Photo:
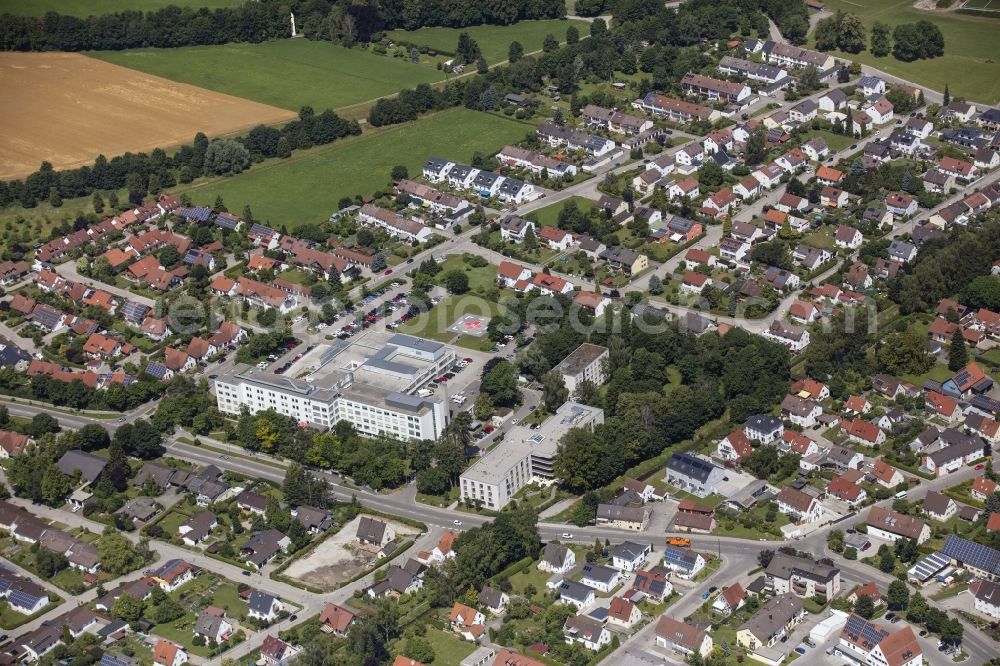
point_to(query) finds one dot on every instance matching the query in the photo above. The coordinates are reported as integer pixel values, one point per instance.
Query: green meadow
(288, 73)
(971, 63)
(308, 186)
(493, 40)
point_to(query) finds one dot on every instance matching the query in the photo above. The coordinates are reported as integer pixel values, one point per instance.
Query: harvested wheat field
(67, 109)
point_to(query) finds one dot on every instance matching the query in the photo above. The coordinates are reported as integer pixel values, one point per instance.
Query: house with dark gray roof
(557, 558)
(374, 532)
(493, 599)
(313, 519)
(89, 465)
(764, 428)
(578, 594)
(197, 527)
(600, 577)
(263, 546)
(625, 517)
(629, 555)
(264, 606)
(692, 474)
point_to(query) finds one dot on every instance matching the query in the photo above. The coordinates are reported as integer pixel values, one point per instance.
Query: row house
(557, 135)
(535, 162)
(715, 89)
(614, 120)
(676, 110)
(394, 224)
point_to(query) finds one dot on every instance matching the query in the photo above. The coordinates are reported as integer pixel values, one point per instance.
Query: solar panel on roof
(974, 554)
(22, 599)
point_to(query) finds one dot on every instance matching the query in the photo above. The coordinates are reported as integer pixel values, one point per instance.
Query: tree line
(150, 173)
(342, 21)
(907, 41)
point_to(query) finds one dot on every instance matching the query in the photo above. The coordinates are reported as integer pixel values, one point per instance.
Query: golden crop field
(67, 109)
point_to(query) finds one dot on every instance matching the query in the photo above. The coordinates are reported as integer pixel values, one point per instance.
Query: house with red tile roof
(856, 404)
(982, 488)
(555, 238)
(117, 258)
(177, 360)
(104, 347)
(869, 589)
(22, 304)
(942, 406)
(166, 653)
(734, 446)
(223, 286)
(957, 168)
(509, 273)
(813, 389)
(730, 599)
(550, 284)
(12, 443)
(593, 302)
(623, 613)
(863, 432)
(796, 442)
(887, 475)
(828, 175)
(803, 312)
(846, 491)
(336, 619)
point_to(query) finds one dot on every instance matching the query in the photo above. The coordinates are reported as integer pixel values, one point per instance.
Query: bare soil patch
(338, 558)
(66, 108)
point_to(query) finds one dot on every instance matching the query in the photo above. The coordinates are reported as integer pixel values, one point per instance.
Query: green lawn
(836, 142)
(296, 275)
(84, 8)
(11, 619)
(549, 215)
(434, 324)
(938, 372)
(289, 73)
(970, 65)
(494, 40)
(307, 187)
(448, 648)
(821, 238)
(172, 521)
(478, 277)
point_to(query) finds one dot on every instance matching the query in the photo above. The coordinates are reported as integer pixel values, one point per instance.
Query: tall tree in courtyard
(958, 354)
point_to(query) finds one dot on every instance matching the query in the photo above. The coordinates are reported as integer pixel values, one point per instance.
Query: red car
(489, 429)
(468, 359)
(980, 466)
(388, 271)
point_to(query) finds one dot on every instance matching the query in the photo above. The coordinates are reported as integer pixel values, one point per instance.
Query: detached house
(891, 526)
(848, 237)
(798, 504)
(734, 447)
(800, 411)
(684, 639)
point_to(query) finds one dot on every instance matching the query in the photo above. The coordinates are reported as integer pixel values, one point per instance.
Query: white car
(457, 523)
(567, 535)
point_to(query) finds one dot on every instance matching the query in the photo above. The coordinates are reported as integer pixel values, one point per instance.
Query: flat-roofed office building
(525, 455)
(371, 388)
